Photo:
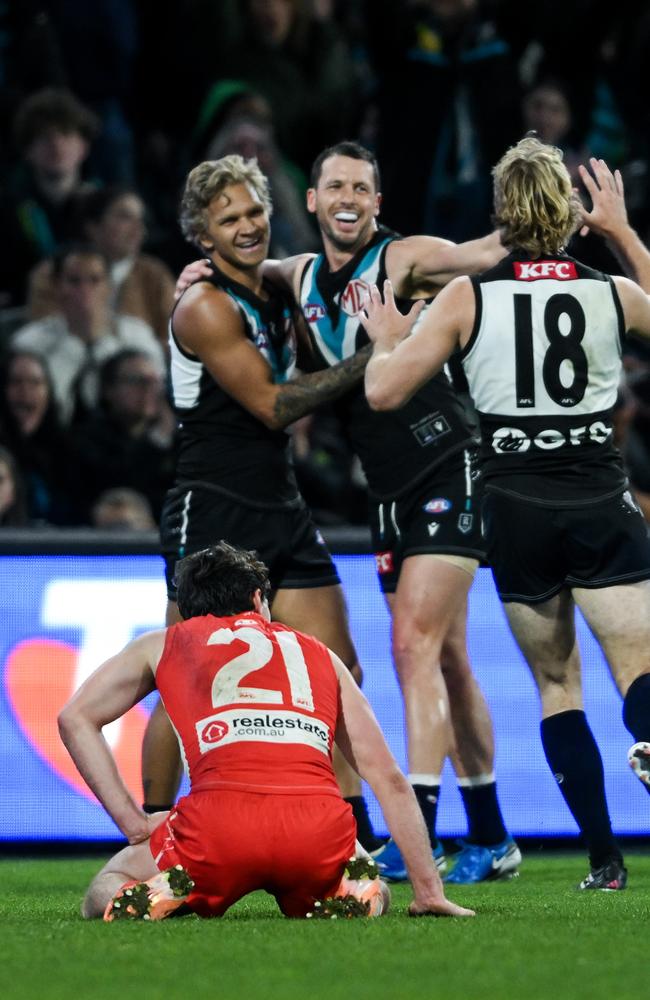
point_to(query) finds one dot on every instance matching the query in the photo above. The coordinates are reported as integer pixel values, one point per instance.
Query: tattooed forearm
(304, 393)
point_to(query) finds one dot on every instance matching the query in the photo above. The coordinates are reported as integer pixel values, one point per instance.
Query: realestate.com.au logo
(41, 672)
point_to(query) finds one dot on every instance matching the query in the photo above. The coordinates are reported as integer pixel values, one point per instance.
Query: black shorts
(536, 551)
(286, 539)
(441, 515)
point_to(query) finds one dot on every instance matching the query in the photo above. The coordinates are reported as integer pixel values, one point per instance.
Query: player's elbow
(382, 398)
(67, 722)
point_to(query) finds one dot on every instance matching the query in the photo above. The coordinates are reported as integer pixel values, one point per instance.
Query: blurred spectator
(122, 510)
(448, 107)
(235, 119)
(547, 111)
(85, 331)
(129, 440)
(301, 63)
(329, 475)
(53, 132)
(13, 506)
(30, 428)
(113, 220)
(98, 42)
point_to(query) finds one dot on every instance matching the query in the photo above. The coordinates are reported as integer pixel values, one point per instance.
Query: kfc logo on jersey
(353, 297)
(533, 270)
(313, 311)
(384, 562)
(213, 732)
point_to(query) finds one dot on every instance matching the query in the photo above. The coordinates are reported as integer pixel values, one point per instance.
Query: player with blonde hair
(540, 338)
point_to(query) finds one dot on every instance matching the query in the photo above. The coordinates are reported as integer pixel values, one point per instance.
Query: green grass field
(534, 937)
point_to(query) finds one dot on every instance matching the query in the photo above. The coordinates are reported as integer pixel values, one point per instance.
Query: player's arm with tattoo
(208, 324)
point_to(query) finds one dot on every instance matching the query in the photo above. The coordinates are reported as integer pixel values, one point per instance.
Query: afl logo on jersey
(214, 731)
(313, 311)
(353, 297)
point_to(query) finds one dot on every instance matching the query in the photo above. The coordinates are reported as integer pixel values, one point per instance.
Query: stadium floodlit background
(64, 614)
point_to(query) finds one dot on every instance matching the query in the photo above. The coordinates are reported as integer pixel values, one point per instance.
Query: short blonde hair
(208, 180)
(534, 203)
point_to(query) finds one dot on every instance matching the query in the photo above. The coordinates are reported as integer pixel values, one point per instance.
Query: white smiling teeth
(346, 216)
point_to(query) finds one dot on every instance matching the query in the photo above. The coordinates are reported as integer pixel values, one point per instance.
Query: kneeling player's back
(254, 704)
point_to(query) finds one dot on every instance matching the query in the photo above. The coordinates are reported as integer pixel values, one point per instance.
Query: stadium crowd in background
(282, 79)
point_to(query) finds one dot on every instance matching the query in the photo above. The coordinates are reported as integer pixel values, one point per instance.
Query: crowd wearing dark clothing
(96, 142)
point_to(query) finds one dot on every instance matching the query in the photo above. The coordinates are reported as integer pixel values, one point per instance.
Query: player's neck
(338, 256)
(249, 277)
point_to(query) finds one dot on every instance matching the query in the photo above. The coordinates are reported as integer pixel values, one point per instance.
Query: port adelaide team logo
(354, 295)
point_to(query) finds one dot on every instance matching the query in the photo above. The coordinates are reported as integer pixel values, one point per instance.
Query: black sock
(574, 758)
(428, 796)
(154, 809)
(365, 833)
(484, 819)
(636, 709)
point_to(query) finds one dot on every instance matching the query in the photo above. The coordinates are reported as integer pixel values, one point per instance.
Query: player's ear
(311, 200)
(378, 201)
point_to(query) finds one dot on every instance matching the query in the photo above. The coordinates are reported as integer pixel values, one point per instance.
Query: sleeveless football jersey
(253, 703)
(396, 449)
(543, 364)
(220, 442)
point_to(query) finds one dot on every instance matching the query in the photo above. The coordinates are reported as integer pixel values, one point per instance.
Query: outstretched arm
(419, 266)
(608, 218)
(208, 324)
(360, 739)
(398, 367)
(108, 694)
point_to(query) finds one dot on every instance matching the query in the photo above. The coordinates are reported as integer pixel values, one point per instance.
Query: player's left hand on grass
(382, 320)
(441, 908)
(608, 212)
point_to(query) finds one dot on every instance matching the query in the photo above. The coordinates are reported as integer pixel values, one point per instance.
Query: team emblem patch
(432, 527)
(437, 506)
(465, 522)
(353, 297)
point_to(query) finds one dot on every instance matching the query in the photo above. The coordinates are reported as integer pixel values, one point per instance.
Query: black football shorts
(536, 551)
(196, 515)
(441, 515)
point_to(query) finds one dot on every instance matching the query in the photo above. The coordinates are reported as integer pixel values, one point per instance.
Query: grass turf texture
(534, 938)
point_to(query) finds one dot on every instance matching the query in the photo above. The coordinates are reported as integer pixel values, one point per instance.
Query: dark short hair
(111, 370)
(76, 249)
(354, 150)
(220, 580)
(95, 203)
(53, 107)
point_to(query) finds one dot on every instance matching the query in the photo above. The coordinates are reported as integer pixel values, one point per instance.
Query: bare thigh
(619, 617)
(319, 611)
(546, 635)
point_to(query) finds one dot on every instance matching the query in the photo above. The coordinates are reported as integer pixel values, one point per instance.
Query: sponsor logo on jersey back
(437, 506)
(533, 270)
(255, 725)
(384, 561)
(353, 296)
(213, 732)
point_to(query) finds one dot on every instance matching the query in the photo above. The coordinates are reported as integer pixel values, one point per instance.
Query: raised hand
(382, 320)
(608, 213)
